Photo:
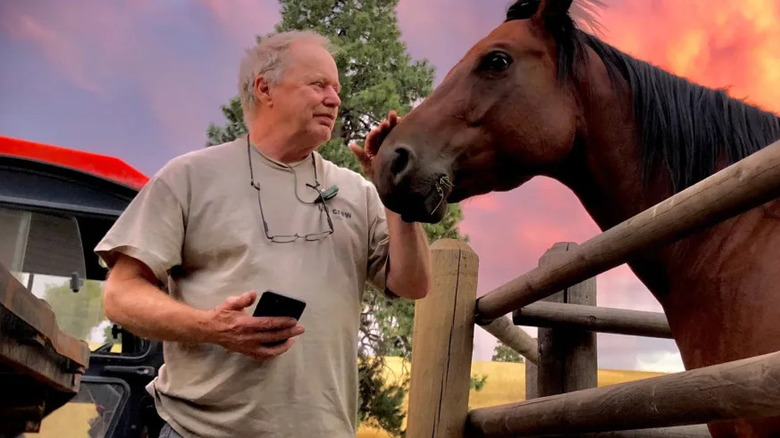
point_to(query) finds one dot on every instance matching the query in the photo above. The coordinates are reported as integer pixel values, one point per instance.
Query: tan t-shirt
(197, 225)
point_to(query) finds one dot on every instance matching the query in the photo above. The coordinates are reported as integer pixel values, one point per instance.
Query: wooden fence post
(443, 344)
(531, 380)
(567, 357)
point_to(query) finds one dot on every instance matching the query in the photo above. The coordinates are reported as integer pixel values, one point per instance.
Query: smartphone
(276, 304)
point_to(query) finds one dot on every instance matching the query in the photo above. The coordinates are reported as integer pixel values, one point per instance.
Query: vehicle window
(45, 253)
(91, 413)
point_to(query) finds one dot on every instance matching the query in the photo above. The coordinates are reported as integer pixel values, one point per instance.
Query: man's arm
(408, 270)
(132, 300)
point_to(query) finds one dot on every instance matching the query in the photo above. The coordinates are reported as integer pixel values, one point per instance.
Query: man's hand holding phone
(259, 337)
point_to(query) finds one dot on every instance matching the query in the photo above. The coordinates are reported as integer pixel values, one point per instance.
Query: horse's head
(502, 115)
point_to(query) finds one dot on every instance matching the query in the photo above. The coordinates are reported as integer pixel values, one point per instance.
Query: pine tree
(376, 75)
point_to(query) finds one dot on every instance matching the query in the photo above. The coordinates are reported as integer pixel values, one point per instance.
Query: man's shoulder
(199, 160)
(355, 186)
(222, 151)
(343, 173)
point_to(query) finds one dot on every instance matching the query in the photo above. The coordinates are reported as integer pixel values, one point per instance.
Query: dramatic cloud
(142, 80)
(442, 30)
(161, 54)
(732, 45)
(244, 19)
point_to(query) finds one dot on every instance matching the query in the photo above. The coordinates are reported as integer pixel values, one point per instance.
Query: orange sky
(142, 80)
(728, 43)
(731, 43)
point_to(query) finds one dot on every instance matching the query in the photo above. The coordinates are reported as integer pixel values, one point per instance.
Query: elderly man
(215, 228)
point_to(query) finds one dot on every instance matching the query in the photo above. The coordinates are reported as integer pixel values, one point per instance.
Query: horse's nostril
(401, 161)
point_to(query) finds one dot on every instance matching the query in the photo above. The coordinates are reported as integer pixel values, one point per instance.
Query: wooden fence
(559, 297)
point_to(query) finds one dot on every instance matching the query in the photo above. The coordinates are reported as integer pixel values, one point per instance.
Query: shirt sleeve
(151, 229)
(378, 243)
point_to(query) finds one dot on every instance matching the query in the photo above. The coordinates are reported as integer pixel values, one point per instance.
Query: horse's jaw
(421, 196)
(424, 198)
(482, 180)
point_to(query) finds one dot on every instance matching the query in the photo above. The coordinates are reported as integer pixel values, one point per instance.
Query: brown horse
(539, 96)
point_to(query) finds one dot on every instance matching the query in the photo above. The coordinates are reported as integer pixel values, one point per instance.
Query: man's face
(306, 101)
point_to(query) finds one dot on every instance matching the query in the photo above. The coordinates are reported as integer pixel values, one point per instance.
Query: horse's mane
(682, 125)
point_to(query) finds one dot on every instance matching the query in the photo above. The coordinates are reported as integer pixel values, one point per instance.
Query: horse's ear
(525, 9)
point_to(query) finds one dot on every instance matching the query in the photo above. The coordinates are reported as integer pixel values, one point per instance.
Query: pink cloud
(98, 45)
(244, 19)
(55, 44)
(483, 203)
(733, 45)
(442, 30)
(728, 45)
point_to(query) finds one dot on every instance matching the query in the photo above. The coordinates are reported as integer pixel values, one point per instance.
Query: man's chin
(320, 135)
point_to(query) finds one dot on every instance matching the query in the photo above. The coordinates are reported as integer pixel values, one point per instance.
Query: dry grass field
(505, 384)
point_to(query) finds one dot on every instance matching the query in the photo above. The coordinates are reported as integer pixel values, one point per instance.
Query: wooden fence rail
(696, 431)
(653, 407)
(747, 388)
(592, 318)
(746, 184)
(515, 338)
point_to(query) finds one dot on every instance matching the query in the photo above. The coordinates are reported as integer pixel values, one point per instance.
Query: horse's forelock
(584, 13)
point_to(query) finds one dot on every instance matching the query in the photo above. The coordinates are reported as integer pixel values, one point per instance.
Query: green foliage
(375, 72)
(478, 381)
(234, 128)
(380, 401)
(502, 353)
(376, 75)
(77, 313)
(109, 337)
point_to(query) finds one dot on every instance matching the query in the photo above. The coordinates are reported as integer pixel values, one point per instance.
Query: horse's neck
(716, 286)
(605, 170)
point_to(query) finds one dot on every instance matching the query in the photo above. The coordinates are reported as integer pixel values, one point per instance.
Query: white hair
(268, 57)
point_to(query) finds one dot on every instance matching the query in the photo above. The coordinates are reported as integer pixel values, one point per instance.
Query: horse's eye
(496, 61)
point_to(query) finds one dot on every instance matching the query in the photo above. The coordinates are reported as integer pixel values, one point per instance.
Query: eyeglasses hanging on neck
(320, 201)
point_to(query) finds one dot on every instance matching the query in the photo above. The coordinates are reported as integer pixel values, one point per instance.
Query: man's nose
(332, 98)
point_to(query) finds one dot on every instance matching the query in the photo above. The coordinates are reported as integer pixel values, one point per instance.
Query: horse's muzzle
(415, 192)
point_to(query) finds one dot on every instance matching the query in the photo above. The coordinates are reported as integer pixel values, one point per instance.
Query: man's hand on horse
(374, 140)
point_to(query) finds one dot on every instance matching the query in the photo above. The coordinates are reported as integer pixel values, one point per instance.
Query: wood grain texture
(568, 359)
(745, 388)
(531, 381)
(694, 431)
(443, 344)
(515, 338)
(37, 315)
(597, 319)
(746, 184)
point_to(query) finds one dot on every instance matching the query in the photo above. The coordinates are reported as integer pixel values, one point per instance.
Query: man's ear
(262, 90)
